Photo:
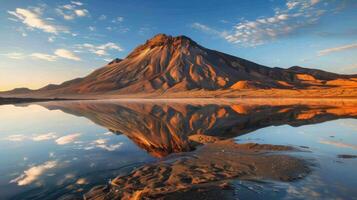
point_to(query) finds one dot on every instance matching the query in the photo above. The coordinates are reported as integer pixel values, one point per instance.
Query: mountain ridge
(167, 64)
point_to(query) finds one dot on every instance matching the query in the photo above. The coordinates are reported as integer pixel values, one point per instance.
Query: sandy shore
(205, 173)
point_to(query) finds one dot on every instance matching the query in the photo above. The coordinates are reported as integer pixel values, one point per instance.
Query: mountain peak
(161, 40)
(170, 64)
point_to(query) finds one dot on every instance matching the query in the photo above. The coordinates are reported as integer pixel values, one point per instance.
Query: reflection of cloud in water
(67, 177)
(15, 138)
(46, 136)
(338, 144)
(313, 187)
(102, 143)
(108, 133)
(33, 173)
(37, 138)
(67, 139)
(51, 154)
(82, 181)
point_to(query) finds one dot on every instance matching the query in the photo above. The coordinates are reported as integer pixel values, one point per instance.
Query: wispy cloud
(59, 53)
(336, 49)
(91, 28)
(72, 10)
(14, 55)
(67, 139)
(286, 20)
(118, 20)
(78, 3)
(33, 20)
(64, 53)
(206, 29)
(100, 50)
(296, 15)
(102, 17)
(81, 12)
(15, 138)
(33, 174)
(43, 137)
(42, 56)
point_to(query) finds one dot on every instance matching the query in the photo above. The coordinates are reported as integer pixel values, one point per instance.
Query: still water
(58, 149)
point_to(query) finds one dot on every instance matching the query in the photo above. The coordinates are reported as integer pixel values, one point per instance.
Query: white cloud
(91, 28)
(118, 20)
(77, 3)
(43, 137)
(33, 173)
(59, 53)
(66, 54)
(100, 50)
(204, 28)
(15, 138)
(110, 45)
(287, 20)
(81, 12)
(72, 10)
(336, 49)
(292, 4)
(33, 20)
(51, 39)
(42, 56)
(14, 55)
(67, 139)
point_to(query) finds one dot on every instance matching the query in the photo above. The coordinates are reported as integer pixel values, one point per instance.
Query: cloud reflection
(338, 144)
(42, 137)
(67, 139)
(102, 143)
(33, 173)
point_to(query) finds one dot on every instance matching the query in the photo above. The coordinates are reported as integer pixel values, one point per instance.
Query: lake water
(58, 149)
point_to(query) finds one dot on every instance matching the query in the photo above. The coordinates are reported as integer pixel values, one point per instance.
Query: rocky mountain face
(165, 128)
(167, 64)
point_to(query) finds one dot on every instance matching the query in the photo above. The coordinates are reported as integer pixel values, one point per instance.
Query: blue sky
(45, 42)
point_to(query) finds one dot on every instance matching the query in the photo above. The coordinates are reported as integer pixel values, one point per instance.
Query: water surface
(59, 149)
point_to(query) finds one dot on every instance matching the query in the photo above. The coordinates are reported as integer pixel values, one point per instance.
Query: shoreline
(195, 100)
(15, 100)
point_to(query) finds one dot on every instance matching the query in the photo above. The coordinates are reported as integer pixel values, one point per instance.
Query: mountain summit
(166, 64)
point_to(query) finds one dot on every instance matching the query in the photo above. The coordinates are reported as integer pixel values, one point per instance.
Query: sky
(44, 42)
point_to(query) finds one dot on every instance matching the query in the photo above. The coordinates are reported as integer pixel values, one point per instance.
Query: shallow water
(56, 149)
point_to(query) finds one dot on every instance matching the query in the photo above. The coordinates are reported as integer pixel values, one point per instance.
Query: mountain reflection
(164, 128)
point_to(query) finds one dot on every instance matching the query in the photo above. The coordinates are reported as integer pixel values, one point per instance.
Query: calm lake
(54, 150)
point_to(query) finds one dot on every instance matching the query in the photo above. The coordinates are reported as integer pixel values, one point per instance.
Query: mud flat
(205, 173)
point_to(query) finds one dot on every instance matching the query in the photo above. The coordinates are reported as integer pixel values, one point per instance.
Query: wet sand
(205, 173)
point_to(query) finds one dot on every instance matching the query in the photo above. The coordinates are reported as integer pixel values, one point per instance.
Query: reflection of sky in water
(49, 153)
(44, 151)
(332, 178)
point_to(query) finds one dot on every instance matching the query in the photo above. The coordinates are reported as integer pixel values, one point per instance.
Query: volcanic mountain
(167, 65)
